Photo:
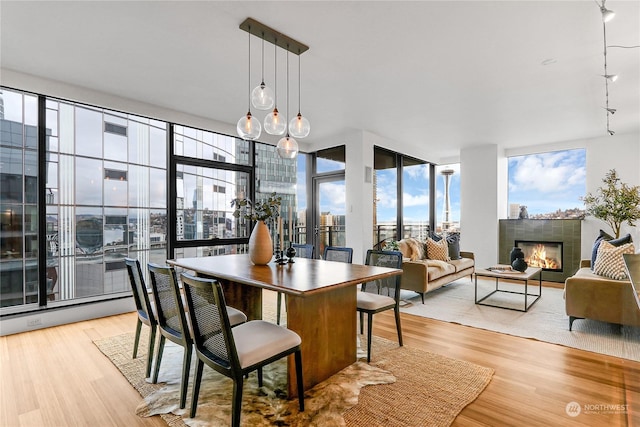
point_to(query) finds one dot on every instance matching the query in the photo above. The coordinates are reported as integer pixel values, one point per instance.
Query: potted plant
(260, 243)
(614, 203)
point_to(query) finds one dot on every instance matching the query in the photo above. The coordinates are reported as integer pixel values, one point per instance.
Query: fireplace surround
(566, 232)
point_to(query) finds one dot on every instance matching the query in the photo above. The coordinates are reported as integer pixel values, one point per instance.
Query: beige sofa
(590, 296)
(423, 275)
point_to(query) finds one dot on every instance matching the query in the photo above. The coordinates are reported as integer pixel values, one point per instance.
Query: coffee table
(512, 275)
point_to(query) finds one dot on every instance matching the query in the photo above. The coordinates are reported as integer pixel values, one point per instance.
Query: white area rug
(545, 321)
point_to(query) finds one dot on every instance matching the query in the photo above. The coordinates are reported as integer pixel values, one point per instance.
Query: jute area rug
(545, 321)
(401, 387)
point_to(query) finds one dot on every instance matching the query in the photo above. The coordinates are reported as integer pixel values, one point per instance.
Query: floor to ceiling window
(18, 199)
(402, 197)
(104, 199)
(329, 213)
(83, 187)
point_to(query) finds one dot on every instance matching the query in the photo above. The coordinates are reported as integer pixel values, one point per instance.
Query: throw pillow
(437, 250)
(609, 262)
(453, 241)
(411, 248)
(594, 251)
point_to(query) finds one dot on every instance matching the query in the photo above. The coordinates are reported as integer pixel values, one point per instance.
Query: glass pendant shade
(299, 126)
(262, 97)
(287, 147)
(275, 123)
(248, 127)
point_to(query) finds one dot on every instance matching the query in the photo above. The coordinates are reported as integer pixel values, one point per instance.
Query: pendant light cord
(249, 73)
(299, 84)
(275, 74)
(286, 113)
(606, 76)
(263, 58)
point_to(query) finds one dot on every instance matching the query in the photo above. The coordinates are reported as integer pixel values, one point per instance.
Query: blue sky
(548, 181)
(543, 182)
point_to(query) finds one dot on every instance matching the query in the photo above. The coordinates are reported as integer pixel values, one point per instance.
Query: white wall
(480, 204)
(619, 152)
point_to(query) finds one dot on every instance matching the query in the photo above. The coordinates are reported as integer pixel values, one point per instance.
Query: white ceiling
(436, 76)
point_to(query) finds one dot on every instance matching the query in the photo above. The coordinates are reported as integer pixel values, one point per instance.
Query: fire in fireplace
(546, 255)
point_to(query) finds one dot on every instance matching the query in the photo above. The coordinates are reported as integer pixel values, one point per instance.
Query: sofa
(423, 273)
(592, 296)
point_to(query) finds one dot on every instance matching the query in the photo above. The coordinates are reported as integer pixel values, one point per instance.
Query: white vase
(260, 244)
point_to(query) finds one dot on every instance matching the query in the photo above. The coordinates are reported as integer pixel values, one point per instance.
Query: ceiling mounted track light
(607, 15)
(263, 98)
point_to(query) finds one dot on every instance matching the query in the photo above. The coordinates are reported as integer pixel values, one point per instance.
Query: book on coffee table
(502, 268)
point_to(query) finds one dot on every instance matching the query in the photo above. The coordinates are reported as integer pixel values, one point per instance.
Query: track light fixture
(275, 123)
(607, 15)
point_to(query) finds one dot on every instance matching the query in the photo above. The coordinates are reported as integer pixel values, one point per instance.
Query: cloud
(547, 173)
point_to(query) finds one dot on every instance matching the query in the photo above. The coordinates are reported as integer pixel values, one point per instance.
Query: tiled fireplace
(552, 244)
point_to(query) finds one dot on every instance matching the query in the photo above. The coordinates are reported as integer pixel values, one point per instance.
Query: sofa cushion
(609, 262)
(438, 269)
(461, 264)
(437, 250)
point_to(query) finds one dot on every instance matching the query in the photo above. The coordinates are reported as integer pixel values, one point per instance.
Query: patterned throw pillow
(609, 262)
(437, 250)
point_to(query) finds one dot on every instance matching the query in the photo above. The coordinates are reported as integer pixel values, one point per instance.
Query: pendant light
(248, 127)
(276, 123)
(262, 95)
(287, 147)
(299, 126)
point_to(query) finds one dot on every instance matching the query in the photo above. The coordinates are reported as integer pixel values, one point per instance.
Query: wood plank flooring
(57, 377)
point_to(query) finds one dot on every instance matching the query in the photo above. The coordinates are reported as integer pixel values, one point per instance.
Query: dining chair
(144, 309)
(302, 251)
(172, 321)
(381, 294)
(233, 352)
(338, 253)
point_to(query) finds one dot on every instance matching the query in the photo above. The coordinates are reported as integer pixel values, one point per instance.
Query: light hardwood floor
(57, 377)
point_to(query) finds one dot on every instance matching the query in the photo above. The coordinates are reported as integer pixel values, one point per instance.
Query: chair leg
(398, 326)
(158, 359)
(152, 343)
(361, 323)
(197, 378)
(260, 376)
(186, 365)
(299, 380)
(278, 307)
(236, 409)
(369, 329)
(137, 338)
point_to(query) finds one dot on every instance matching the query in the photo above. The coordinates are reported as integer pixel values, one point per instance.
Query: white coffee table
(512, 275)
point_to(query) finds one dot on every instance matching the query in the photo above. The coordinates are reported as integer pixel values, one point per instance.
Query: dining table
(320, 303)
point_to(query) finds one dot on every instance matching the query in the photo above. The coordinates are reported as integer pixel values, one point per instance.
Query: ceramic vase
(519, 264)
(515, 253)
(260, 244)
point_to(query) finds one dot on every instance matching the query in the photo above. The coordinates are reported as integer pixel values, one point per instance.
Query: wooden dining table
(321, 303)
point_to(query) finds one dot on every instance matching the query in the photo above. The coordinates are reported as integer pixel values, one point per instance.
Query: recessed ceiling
(433, 76)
